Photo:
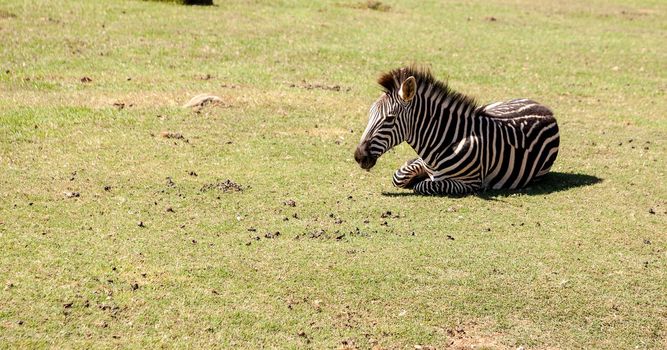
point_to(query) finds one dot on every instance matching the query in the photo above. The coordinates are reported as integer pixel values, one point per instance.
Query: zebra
(462, 147)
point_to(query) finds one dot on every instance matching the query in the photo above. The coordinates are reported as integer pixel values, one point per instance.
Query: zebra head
(387, 120)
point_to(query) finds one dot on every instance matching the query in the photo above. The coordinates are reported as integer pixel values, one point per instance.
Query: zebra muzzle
(364, 158)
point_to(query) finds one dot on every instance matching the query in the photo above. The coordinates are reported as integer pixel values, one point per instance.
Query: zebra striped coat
(462, 147)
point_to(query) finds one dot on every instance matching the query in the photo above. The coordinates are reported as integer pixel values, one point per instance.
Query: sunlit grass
(151, 252)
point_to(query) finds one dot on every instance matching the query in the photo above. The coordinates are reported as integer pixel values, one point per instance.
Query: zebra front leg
(410, 173)
(444, 187)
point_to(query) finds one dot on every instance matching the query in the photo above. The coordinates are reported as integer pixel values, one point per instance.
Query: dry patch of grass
(468, 339)
(4, 14)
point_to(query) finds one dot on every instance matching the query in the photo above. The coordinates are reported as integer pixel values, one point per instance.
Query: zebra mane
(392, 80)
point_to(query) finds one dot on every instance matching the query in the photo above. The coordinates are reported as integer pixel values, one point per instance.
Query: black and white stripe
(461, 147)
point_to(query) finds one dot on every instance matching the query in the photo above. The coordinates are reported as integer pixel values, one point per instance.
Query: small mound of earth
(224, 186)
(202, 100)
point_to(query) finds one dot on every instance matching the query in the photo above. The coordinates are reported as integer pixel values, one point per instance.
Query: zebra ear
(408, 89)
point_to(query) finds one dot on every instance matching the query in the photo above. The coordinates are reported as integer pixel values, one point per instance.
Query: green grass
(579, 261)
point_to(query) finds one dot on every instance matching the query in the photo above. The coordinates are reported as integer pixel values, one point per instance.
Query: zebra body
(462, 148)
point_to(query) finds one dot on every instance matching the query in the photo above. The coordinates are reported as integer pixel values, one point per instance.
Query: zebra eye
(390, 118)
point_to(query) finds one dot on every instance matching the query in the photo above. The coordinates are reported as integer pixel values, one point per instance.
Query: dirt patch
(373, 5)
(173, 135)
(305, 336)
(271, 235)
(224, 186)
(635, 14)
(313, 86)
(389, 214)
(469, 336)
(348, 344)
(316, 234)
(121, 105)
(253, 238)
(323, 234)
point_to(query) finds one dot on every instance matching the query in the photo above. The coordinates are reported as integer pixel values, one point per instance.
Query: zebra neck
(440, 121)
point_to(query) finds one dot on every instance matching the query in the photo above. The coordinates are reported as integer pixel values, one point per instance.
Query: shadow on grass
(552, 182)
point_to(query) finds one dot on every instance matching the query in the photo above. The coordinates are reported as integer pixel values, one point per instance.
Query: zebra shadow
(551, 182)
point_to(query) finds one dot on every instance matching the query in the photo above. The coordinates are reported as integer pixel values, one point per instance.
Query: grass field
(118, 228)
